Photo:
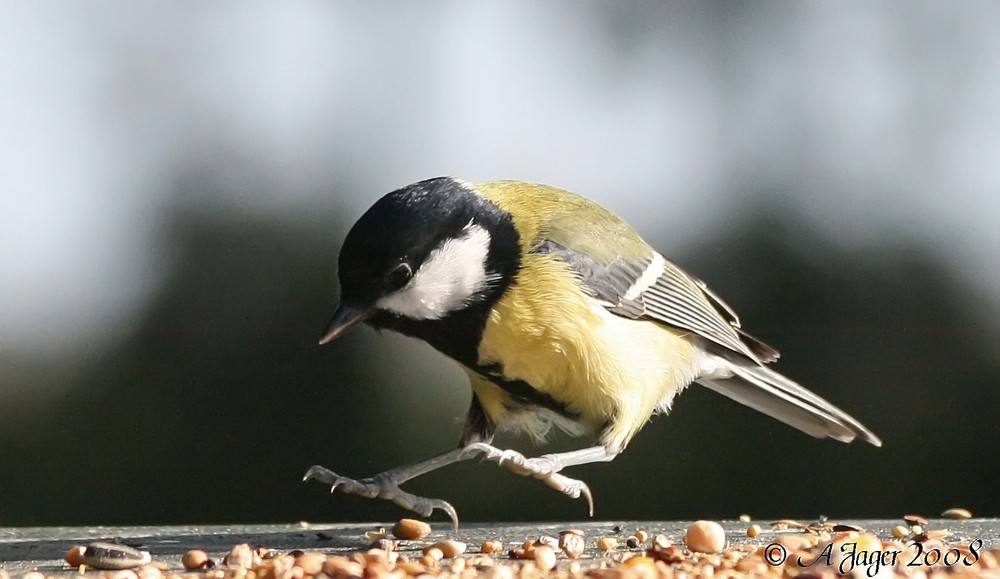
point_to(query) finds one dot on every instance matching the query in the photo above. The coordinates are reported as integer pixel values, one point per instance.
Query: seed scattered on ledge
(705, 537)
(491, 547)
(914, 520)
(448, 548)
(545, 558)
(113, 556)
(194, 559)
(957, 513)
(410, 529)
(572, 545)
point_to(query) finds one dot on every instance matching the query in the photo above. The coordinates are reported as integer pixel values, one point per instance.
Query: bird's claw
(382, 487)
(573, 488)
(543, 468)
(425, 506)
(365, 487)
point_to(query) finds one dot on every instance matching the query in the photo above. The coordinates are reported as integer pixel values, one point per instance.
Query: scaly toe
(479, 449)
(572, 488)
(322, 474)
(513, 460)
(364, 487)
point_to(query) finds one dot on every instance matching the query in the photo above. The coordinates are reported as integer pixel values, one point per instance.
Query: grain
(669, 554)
(410, 529)
(75, 556)
(339, 566)
(641, 561)
(310, 562)
(753, 531)
(381, 556)
(705, 537)
(412, 568)
(571, 544)
(545, 558)
(449, 548)
(240, 557)
(787, 523)
(547, 540)
(499, 572)
(988, 560)
(113, 556)
(752, 566)
(605, 544)
(957, 513)
(491, 547)
(194, 559)
(914, 520)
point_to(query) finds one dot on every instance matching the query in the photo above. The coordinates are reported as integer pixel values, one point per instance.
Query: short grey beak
(344, 319)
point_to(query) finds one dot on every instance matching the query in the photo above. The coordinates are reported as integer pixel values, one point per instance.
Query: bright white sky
(871, 118)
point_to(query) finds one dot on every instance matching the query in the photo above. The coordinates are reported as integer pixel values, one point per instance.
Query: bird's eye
(398, 277)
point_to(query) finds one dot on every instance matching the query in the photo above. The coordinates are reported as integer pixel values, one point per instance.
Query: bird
(561, 315)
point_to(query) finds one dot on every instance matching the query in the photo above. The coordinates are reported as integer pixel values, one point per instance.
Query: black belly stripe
(523, 393)
(478, 426)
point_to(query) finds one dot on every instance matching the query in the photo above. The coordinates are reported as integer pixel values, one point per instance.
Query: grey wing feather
(654, 288)
(605, 282)
(679, 299)
(769, 392)
(678, 295)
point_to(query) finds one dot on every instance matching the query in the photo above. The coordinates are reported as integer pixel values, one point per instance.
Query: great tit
(561, 315)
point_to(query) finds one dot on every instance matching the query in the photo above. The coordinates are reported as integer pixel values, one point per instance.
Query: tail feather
(767, 391)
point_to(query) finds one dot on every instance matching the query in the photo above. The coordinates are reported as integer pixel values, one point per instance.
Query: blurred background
(176, 180)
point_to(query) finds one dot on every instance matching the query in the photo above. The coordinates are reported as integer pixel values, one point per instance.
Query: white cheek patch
(453, 276)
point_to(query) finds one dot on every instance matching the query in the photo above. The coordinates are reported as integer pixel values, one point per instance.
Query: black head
(425, 253)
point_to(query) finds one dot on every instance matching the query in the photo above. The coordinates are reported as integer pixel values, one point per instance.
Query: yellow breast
(614, 372)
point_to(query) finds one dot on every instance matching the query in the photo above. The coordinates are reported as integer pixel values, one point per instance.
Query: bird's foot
(381, 486)
(539, 467)
(544, 468)
(571, 487)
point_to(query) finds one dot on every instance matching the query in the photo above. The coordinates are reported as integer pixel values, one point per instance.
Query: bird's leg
(547, 466)
(386, 484)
